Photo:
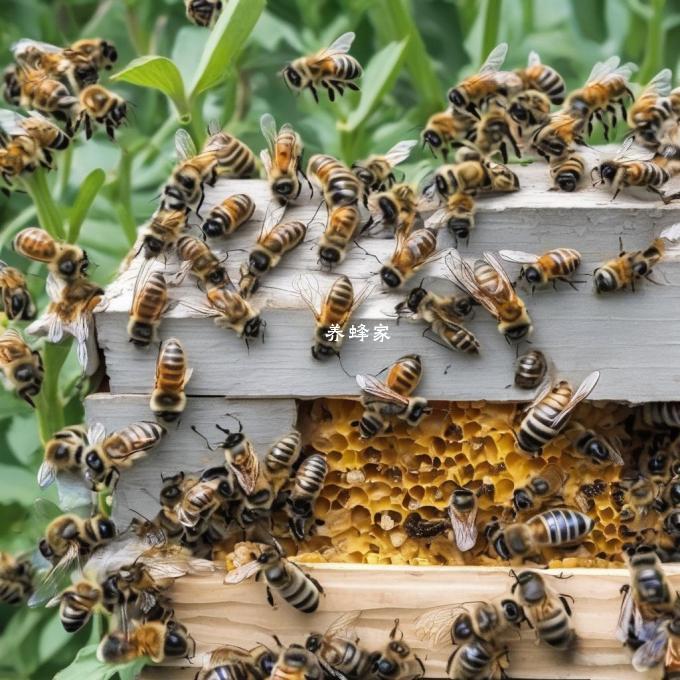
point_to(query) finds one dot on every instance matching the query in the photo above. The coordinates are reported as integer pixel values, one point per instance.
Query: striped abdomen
(561, 261)
(135, 438)
(343, 188)
(554, 628)
(234, 670)
(283, 237)
(530, 369)
(232, 213)
(171, 366)
(309, 479)
(536, 429)
(455, 336)
(643, 173)
(544, 79)
(404, 374)
(294, 586)
(284, 454)
(234, 158)
(35, 244)
(338, 303)
(344, 67)
(470, 661)
(561, 526)
(151, 301)
(661, 414)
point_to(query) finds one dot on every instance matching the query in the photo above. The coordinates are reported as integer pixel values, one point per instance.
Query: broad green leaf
(86, 665)
(17, 485)
(158, 73)
(226, 40)
(187, 50)
(81, 206)
(378, 78)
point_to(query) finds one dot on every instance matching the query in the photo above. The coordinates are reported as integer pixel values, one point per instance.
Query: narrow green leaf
(226, 40)
(86, 665)
(378, 78)
(157, 73)
(81, 206)
(492, 20)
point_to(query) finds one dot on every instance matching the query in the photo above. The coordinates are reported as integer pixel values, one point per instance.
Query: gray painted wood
(630, 337)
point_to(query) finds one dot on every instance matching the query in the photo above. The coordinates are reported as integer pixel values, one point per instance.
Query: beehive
(467, 439)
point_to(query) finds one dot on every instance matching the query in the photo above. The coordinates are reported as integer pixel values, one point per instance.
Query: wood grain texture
(625, 335)
(218, 614)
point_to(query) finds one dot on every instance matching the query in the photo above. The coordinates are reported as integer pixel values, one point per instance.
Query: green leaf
(17, 485)
(81, 206)
(157, 73)
(86, 665)
(379, 76)
(226, 40)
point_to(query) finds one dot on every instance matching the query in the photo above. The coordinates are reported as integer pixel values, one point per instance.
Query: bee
(203, 13)
(48, 96)
(621, 173)
(639, 495)
(334, 314)
(234, 158)
(652, 108)
(229, 662)
(16, 298)
(332, 68)
(567, 173)
(487, 83)
(296, 663)
(549, 413)
(493, 130)
(410, 253)
(458, 214)
(661, 414)
(339, 185)
(490, 285)
(443, 130)
(343, 224)
(106, 456)
(548, 483)
(663, 648)
(547, 612)
(377, 172)
(163, 231)
(474, 176)
(16, 579)
(555, 138)
(168, 400)
(155, 639)
(428, 306)
(202, 262)
(530, 369)
(11, 87)
(476, 658)
(397, 661)
(64, 452)
(282, 456)
(529, 109)
(226, 217)
(101, 106)
(200, 501)
(282, 160)
(338, 651)
(288, 579)
(36, 136)
(22, 367)
(463, 515)
(540, 270)
(66, 261)
(543, 78)
(149, 303)
(233, 311)
(77, 603)
(397, 208)
(307, 485)
(102, 52)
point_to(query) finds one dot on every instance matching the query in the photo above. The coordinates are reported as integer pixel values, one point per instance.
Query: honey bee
(410, 253)
(102, 52)
(226, 217)
(639, 495)
(661, 414)
(662, 649)
(476, 658)
(567, 173)
(234, 158)
(550, 412)
(101, 106)
(490, 285)
(343, 224)
(547, 612)
(11, 87)
(530, 369)
(428, 306)
(234, 662)
(200, 501)
(547, 484)
(543, 78)
(463, 515)
(487, 83)
(458, 214)
(397, 208)
(334, 314)
(16, 298)
(64, 452)
(307, 485)
(22, 367)
(149, 303)
(233, 311)
(473, 176)
(332, 68)
(652, 108)
(168, 400)
(550, 267)
(16, 579)
(163, 231)
(296, 663)
(444, 129)
(78, 603)
(203, 13)
(529, 109)
(36, 136)
(48, 96)
(555, 139)
(66, 261)
(377, 172)
(282, 160)
(493, 130)
(282, 456)
(288, 579)
(397, 661)
(202, 262)
(340, 186)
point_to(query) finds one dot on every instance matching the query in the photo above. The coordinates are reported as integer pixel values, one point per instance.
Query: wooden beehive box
(630, 338)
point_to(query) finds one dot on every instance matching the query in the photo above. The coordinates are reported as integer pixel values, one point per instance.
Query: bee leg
(565, 604)
(318, 586)
(353, 86)
(504, 152)
(339, 86)
(329, 90)
(270, 597)
(420, 663)
(313, 89)
(449, 663)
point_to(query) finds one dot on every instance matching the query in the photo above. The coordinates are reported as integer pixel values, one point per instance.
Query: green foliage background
(413, 50)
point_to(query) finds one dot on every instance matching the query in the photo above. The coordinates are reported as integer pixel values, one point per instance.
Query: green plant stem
(48, 213)
(19, 222)
(137, 38)
(198, 130)
(527, 16)
(65, 162)
(124, 196)
(154, 145)
(654, 43)
(48, 405)
(492, 20)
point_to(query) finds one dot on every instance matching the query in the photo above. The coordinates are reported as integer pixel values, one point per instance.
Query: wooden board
(218, 614)
(627, 336)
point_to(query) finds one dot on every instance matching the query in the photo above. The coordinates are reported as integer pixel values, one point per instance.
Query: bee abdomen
(341, 296)
(171, 365)
(661, 414)
(310, 476)
(565, 260)
(299, 591)
(530, 369)
(564, 526)
(554, 630)
(284, 452)
(346, 68)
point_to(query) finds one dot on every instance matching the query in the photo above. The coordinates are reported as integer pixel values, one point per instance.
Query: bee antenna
(350, 375)
(203, 437)
(233, 417)
(360, 247)
(316, 212)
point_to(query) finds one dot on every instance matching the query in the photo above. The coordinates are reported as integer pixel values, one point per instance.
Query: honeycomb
(373, 485)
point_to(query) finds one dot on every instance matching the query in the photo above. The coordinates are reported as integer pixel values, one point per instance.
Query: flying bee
(556, 137)
(102, 52)
(149, 303)
(333, 68)
(410, 253)
(168, 400)
(443, 130)
(567, 173)
(48, 96)
(547, 612)
(661, 414)
(487, 83)
(282, 160)
(16, 579)
(64, 452)
(343, 224)
(540, 270)
(226, 217)
(202, 262)
(16, 298)
(547, 484)
(22, 367)
(287, 578)
(203, 13)
(307, 485)
(493, 130)
(473, 176)
(339, 185)
(639, 496)
(397, 661)
(490, 285)
(78, 603)
(296, 663)
(234, 158)
(652, 108)
(529, 109)
(377, 172)
(163, 231)
(101, 106)
(66, 261)
(550, 412)
(530, 369)
(543, 78)
(334, 314)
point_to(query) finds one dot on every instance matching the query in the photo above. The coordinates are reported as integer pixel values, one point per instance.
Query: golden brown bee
(48, 96)
(396, 207)
(331, 68)
(446, 128)
(102, 52)
(16, 579)
(529, 109)
(168, 400)
(489, 285)
(474, 176)
(397, 661)
(556, 138)
(339, 185)
(231, 310)
(638, 495)
(410, 253)
(458, 214)
(343, 224)
(16, 298)
(234, 158)
(652, 108)
(493, 130)
(234, 662)
(296, 663)
(568, 172)
(543, 78)
(11, 88)
(78, 603)
(22, 367)
(204, 12)
(66, 261)
(163, 231)
(202, 262)
(202, 499)
(661, 414)
(281, 457)
(549, 413)
(377, 172)
(307, 486)
(530, 369)
(63, 453)
(101, 106)
(487, 83)
(226, 217)
(540, 270)
(547, 484)
(149, 302)
(282, 160)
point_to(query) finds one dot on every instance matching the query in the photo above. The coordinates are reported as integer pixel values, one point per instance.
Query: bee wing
(226, 654)
(518, 256)
(266, 160)
(653, 652)
(361, 297)
(53, 581)
(615, 456)
(623, 150)
(303, 285)
(10, 122)
(584, 389)
(534, 59)
(434, 625)
(495, 59)
(47, 473)
(96, 433)
(464, 278)
(268, 127)
(464, 528)
(602, 69)
(344, 626)
(400, 151)
(376, 388)
(554, 475)
(247, 481)
(341, 45)
(21, 46)
(184, 145)
(671, 233)
(547, 386)
(242, 573)
(507, 290)
(660, 83)
(214, 127)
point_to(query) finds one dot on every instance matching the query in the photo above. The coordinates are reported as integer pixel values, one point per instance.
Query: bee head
(292, 77)
(176, 642)
(329, 255)
(641, 268)
(106, 528)
(152, 246)
(458, 227)
(674, 492)
(283, 186)
(140, 332)
(512, 611)
(26, 373)
(364, 174)
(432, 138)
(607, 171)
(314, 642)
(391, 277)
(323, 350)
(457, 97)
(415, 297)
(522, 500)
(567, 181)
(416, 410)
(461, 629)
(533, 275)
(518, 332)
(258, 262)
(252, 328)
(110, 53)
(605, 281)
(518, 112)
